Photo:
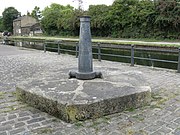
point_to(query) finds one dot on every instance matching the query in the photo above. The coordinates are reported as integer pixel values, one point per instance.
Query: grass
(2, 93)
(138, 117)
(132, 109)
(43, 131)
(79, 124)
(144, 42)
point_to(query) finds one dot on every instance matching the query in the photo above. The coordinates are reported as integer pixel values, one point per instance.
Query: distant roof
(30, 24)
(20, 18)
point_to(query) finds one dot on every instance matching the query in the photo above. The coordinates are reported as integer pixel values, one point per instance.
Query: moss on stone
(71, 112)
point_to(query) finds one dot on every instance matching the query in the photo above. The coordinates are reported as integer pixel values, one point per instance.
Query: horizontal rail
(156, 60)
(114, 55)
(103, 46)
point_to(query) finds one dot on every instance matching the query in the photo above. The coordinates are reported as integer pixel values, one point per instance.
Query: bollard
(178, 70)
(77, 49)
(85, 64)
(99, 52)
(132, 55)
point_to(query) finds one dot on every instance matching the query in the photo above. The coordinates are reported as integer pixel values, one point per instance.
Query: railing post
(22, 42)
(178, 70)
(59, 48)
(5, 40)
(77, 49)
(99, 52)
(44, 47)
(132, 55)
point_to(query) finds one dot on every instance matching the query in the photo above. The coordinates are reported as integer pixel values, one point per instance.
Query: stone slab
(75, 100)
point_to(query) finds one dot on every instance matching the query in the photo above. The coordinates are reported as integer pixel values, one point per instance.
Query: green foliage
(1, 24)
(123, 19)
(99, 20)
(9, 15)
(58, 19)
(168, 18)
(36, 13)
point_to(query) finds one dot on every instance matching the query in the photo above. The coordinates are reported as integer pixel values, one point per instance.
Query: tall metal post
(85, 64)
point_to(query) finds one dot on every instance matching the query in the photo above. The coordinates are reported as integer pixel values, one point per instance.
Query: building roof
(28, 25)
(18, 19)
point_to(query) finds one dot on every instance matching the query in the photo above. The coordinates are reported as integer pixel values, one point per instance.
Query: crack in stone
(78, 90)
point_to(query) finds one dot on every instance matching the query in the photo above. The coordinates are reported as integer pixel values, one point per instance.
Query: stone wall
(17, 28)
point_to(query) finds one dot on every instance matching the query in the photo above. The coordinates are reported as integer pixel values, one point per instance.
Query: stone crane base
(77, 100)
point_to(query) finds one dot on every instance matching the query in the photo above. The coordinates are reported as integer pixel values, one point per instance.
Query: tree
(9, 15)
(80, 4)
(168, 17)
(65, 21)
(132, 18)
(57, 19)
(99, 20)
(36, 13)
(1, 24)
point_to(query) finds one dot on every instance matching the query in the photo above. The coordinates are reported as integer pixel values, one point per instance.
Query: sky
(28, 5)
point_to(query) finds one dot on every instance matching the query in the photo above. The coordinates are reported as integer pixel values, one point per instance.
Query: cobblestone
(4, 128)
(3, 133)
(12, 117)
(162, 116)
(20, 124)
(16, 131)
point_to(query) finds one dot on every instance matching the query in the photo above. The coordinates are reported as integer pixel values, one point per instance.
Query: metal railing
(47, 45)
(132, 48)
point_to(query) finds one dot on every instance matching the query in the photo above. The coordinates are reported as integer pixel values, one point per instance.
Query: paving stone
(35, 115)
(177, 131)
(12, 117)
(177, 121)
(172, 125)
(4, 128)
(114, 133)
(43, 130)
(156, 119)
(34, 120)
(152, 128)
(157, 133)
(16, 131)
(160, 123)
(32, 126)
(168, 118)
(24, 118)
(2, 119)
(3, 133)
(23, 114)
(46, 122)
(164, 130)
(9, 122)
(139, 126)
(20, 124)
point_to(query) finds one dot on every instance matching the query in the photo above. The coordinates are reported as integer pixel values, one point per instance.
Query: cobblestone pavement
(162, 116)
